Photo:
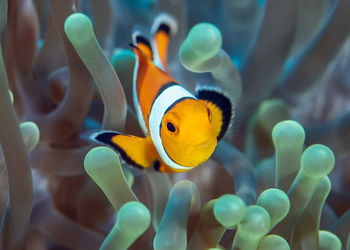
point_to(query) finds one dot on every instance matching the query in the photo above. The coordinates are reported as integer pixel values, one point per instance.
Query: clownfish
(181, 129)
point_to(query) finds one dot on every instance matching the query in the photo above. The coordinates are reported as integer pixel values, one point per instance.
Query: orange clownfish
(181, 129)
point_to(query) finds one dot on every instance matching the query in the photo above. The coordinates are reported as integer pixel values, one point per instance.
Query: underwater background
(279, 180)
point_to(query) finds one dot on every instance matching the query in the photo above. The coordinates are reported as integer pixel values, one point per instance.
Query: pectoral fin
(136, 151)
(161, 167)
(221, 109)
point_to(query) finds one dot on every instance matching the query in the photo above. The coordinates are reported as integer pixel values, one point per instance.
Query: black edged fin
(143, 44)
(164, 27)
(222, 102)
(156, 166)
(166, 23)
(105, 137)
(135, 151)
(133, 46)
(161, 167)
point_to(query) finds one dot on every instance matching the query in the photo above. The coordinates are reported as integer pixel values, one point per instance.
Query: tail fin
(163, 27)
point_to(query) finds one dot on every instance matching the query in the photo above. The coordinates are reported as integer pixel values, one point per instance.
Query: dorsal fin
(143, 44)
(163, 27)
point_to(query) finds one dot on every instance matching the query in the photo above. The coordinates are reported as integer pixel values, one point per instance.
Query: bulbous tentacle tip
(288, 132)
(229, 210)
(276, 203)
(78, 28)
(256, 222)
(318, 161)
(273, 242)
(100, 157)
(134, 217)
(202, 43)
(328, 240)
(31, 134)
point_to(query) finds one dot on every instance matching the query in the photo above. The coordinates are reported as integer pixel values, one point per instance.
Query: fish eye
(170, 127)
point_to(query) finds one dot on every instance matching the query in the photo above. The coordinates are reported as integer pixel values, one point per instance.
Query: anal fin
(136, 151)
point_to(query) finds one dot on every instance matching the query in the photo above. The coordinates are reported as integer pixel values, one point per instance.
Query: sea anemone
(280, 179)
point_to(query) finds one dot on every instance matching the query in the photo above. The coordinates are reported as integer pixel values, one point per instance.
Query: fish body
(181, 129)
